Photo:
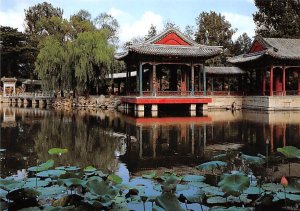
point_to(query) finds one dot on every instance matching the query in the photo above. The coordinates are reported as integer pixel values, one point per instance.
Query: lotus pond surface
(94, 159)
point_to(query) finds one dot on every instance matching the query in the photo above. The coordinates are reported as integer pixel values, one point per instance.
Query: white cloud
(242, 23)
(130, 27)
(13, 19)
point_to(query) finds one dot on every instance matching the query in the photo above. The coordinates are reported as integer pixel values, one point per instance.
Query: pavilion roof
(276, 48)
(224, 70)
(186, 47)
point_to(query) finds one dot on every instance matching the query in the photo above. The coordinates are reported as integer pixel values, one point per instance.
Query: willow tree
(93, 56)
(49, 63)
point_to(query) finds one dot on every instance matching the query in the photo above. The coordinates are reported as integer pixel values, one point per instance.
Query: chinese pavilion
(169, 70)
(276, 63)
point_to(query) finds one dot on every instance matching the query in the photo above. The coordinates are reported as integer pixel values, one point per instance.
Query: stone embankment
(103, 102)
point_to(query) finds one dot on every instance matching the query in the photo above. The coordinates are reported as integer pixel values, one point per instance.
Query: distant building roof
(224, 70)
(4, 79)
(171, 42)
(282, 49)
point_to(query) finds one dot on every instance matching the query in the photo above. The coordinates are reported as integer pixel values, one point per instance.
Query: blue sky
(136, 16)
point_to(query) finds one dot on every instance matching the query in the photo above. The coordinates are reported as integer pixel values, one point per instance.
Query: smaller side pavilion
(276, 63)
(166, 66)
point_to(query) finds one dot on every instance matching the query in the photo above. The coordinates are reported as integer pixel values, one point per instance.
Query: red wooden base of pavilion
(138, 103)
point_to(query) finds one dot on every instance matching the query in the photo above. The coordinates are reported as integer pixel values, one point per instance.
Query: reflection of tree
(88, 144)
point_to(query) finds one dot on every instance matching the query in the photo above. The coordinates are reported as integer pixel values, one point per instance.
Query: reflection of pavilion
(163, 141)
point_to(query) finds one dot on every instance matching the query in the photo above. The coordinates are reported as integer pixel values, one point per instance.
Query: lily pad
(254, 190)
(193, 178)
(57, 151)
(212, 191)
(211, 165)
(149, 175)
(102, 188)
(273, 187)
(42, 166)
(253, 159)
(179, 187)
(10, 184)
(51, 173)
(216, 200)
(37, 183)
(198, 184)
(290, 151)
(72, 182)
(168, 201)
(89, 169)
(281, 195)
(234, 184)
(167, 175)
(52, 190)
(115, 178)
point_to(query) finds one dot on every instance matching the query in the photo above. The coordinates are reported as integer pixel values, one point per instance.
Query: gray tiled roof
(277, 48)
(149, 48)
(224, 70)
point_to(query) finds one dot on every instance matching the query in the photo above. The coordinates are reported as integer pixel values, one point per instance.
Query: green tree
(108, 22)
(80, 22)
(151, 32)
(49, 63)
(277, 18)
(189, 31)
(34, 14)
(241, 45)
(214, 29)
(93, 57)
(15, 53)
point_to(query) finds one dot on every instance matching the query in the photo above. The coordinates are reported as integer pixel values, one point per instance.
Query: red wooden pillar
(264, 84)
(299, 83)
(154, 84)
(271, 81)
(183, 81)
(283, 81)
(192, 79)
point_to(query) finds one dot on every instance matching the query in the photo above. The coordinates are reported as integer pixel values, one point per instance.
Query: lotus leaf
(90, 169)
(198, 184)
(211, 165)
(253, 159)
(51, 173)
(193, 195)
(253, 190)
(193, 178)
(72, 168)
(234, 184)
(168, 174)
(212, 191)
(101, 188)
(115, 178)
(42, 166)
(72, 182)
(168, 201)
(52, 190)
(58, 208)
(149, 175)
(101, 174)
(293, 187)
(290, 151)
(241, 199)
(34, 184)
(3, 193)
(57, 151)
(9, 185)
(272, 187)
(281, 195)
(216, 200)
(179, 187)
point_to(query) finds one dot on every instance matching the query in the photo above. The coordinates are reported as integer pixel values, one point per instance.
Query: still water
(125, 145)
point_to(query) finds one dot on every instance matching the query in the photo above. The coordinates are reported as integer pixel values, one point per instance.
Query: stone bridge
(29, 99)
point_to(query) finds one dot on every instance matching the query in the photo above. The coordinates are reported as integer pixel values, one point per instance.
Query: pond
(129, 146)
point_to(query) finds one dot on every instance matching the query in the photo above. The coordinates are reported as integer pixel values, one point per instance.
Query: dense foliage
(278, 18)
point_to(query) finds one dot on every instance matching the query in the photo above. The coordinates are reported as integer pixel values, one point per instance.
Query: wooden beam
(283, 81)
(193, 78)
